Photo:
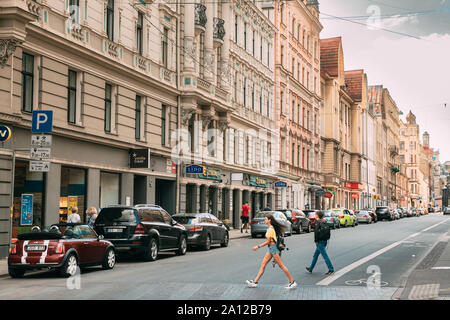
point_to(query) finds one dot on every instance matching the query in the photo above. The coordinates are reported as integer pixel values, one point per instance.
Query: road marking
(340, 273)
(440, 268)
(424, 292)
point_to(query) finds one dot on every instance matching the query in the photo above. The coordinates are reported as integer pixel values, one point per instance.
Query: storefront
(109, 189)
(72, 193)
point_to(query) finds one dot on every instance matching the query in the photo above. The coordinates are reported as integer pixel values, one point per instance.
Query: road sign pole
(13, 175)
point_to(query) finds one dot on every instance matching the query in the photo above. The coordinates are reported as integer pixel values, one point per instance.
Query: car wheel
(207, 244)
(110, 259)
(226, 239)
(345, 225)
(309, 228)
(16, 273)
(183, 246)
(70, 266)
(151, 252)
(339, 225)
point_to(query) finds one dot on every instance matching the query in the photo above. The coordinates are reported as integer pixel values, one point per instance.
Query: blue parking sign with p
(42, 121)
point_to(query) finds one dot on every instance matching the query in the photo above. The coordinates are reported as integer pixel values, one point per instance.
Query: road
(391, 248)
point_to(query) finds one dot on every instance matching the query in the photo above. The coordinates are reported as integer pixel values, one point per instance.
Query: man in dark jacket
(321, 243)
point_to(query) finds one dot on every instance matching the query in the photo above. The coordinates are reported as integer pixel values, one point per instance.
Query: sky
(403, 45)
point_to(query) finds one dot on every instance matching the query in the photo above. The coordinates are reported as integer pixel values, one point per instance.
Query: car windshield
(262, 214)
(109, 215)
(311, 214)
(328, 213)
(363, 212)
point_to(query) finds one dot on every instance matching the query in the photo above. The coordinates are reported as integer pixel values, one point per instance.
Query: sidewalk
(430, 280)
(236, 234)
(4, 268)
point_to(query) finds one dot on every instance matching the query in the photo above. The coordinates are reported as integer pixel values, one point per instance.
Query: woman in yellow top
(274, 229)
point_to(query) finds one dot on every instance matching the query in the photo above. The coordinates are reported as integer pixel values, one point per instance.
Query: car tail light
(341, 217)
(366, 216)
(139, 229)
(332, 220)
(13, 248)
(294, 218)
(60, 248)
(196, 228)
(254, 222)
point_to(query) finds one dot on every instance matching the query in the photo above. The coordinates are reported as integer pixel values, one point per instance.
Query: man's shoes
(274, 263)
(246, 231)
(251, 283)
(329, 273)
(309, 270)
(291, 285)
(241, 230)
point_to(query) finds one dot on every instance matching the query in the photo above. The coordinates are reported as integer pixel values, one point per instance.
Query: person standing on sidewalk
(245, 216)
(321, 237)
(274, 230)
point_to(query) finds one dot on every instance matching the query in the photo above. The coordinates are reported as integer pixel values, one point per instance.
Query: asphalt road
(391, 248)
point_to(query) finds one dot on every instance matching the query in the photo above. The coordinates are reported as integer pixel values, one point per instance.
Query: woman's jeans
(320, 249)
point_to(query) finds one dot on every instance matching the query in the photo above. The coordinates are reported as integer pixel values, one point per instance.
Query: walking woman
(274, 230)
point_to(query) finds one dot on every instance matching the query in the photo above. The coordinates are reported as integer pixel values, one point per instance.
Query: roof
(329, 56)
(354, 82)
(375, 96)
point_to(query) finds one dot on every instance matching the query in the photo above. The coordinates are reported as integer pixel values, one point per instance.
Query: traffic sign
(40, 153)
(39, 166)
(5, 133)
(42, 121)
(41, 140)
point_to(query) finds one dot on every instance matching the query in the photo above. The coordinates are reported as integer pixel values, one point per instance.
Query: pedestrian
(74, 217)
(274, 230)
(245, 216)
(321, 237)
(91, 214)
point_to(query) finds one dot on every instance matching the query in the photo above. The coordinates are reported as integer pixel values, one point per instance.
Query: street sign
(42, 121)
(41, 140)
(40, 153)
(39, 166)
(5, 133)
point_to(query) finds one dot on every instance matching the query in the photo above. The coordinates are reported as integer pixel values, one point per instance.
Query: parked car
(415, 212)
(354, 216)
(346, 219)
(203, 229)
(298, 220)
(364, 216)
(144, 229)
(373, 215)
(430, 210)
(61, 246)
(395, 214)
(332, 219)
(384, 213)
(311, 215)
(446, 210)
(407, 211)
(259, 227)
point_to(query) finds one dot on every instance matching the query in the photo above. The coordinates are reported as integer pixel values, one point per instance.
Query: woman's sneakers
(251, 283)
(309, 270)
(329, 273)
(291, 285)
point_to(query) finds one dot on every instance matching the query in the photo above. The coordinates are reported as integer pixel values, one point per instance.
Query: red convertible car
(63, 247)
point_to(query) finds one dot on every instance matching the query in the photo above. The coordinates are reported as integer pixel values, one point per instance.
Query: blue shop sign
(195, 169)
(280, 184)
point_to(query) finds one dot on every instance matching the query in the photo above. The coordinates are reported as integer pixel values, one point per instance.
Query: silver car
(364, 216)
(258, 225)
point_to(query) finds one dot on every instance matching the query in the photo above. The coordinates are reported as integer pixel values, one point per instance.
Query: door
(81, 245)
(216, 229)
(172, 232)
(93, 248)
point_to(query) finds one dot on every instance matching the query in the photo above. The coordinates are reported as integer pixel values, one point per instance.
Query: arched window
(282, 13)
(293, 26)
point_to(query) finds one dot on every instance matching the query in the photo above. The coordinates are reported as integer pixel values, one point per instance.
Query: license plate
(114, 230)
(35, 248)
(262, 222)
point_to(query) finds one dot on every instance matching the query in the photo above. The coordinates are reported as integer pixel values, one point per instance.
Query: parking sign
(42, 121)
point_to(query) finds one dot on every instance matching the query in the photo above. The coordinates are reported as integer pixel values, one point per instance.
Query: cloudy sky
(411, 57)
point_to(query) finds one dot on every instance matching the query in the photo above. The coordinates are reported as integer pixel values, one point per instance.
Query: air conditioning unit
(268, 5)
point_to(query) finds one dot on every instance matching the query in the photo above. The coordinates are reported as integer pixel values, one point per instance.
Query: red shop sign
(355, 196)
(328, 195)
(351, 185)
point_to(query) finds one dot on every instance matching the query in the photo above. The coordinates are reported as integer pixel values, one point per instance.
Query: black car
(298, 220)
(144, 229)
(384, 213)
(203, 229)
(446, 210)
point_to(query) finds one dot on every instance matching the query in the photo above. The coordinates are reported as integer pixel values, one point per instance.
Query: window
(253, 43)
(110, 19)
(293, 154)
(298, 156)
(281, 101)
(303, 158)
(27, 82)
(236, 28)
(268, 54)
(298, 71)
(261, 48)
(191, 134)
(293, 111)
(293, 66)
(282, 55)
(245, 35)
(138, 118)
(72, 97)
(164, 45)
(245, 92)
(163, 125)
(293, 26)
(74, 11)
(139, 28)
(303, 75)
(304, 35)
(253, 97)
(108, 99)
(282, 13)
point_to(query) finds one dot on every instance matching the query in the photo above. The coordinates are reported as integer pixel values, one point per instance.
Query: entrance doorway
(140, 190)
(165, 193)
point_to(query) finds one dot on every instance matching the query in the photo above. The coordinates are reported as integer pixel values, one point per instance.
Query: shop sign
(280, 184)
(355, 196)
(194, 169)
(351, 185)
(211, 174)
(26, 216)
(237, 177)
(72, 202)
(5, 133)
(258, 182)
(39, 166)
(328, 195)
(140, 158)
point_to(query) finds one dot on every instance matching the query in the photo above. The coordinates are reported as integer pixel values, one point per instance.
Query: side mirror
(174, 222)
(100, 237)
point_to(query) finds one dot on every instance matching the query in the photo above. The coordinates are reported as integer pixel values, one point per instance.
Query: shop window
(72, 193)
(28, 199)
(109, 189)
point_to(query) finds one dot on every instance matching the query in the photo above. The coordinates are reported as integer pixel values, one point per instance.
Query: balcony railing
(219, 30)
(200, 16)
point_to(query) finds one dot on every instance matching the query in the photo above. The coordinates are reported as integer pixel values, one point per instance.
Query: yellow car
(345, 217)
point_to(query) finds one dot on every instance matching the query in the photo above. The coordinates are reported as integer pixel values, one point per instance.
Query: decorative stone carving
(225, 71)
(186, 115)
(189, 51)
(223, 125)
(206, 121)
(7, 48)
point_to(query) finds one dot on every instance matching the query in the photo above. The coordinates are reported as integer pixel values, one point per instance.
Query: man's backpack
(324, 233)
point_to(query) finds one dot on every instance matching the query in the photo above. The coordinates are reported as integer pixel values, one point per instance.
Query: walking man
(245, 216)
(321, 237)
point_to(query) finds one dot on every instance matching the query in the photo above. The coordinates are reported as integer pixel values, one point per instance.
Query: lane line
(341, 272)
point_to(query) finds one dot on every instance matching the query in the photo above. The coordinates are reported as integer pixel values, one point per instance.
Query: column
(52, 194)
(126, 188)
(209, 47)
(225, 75)
(237, 204)
(183, 201)
(189, 34)
(93, 188)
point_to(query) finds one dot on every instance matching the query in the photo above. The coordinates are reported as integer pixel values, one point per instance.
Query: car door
(173, 232)
(92, 247)
(80, 245)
